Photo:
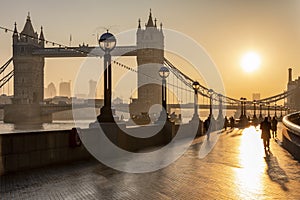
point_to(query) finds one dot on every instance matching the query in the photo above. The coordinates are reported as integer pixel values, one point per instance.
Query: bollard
(74, 139)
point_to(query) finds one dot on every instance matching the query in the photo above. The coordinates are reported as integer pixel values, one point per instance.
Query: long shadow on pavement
(275, 172)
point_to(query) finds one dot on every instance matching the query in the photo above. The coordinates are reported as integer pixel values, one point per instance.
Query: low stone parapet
(20, 151)
(291, 134)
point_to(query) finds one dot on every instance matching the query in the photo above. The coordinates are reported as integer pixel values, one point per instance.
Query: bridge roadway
(83, 51)
(236, 168)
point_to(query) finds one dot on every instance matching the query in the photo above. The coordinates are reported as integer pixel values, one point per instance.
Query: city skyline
(269, 28)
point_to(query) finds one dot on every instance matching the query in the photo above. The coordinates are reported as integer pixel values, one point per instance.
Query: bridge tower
(150, 58)
(28, 76)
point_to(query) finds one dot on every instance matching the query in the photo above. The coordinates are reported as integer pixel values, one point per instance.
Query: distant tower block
(65, 89)
(150, 58)
(51, 90)
(256, 96)
(28, 76)
(92, 89)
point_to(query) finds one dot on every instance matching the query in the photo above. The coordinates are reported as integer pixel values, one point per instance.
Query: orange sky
(226, 29)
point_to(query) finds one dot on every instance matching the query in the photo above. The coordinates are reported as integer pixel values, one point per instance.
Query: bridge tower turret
(28, 69)
(150, 58)
(28, 75)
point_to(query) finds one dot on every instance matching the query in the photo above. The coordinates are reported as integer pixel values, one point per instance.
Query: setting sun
(250, 62)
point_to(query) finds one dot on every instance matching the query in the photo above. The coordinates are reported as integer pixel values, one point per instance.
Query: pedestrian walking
(274, 123)
(232, 121)
(265, 127)
(207, 127)
(225, 123)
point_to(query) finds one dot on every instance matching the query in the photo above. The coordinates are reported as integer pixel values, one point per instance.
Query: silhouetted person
(274, 123)
(231, 122)
(225, 123)
(265, 127)
(206, 126)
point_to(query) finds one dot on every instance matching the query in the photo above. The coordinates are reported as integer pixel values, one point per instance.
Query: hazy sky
(227, 29)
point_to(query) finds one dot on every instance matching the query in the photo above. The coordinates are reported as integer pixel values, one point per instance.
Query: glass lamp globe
(107, 42)
(210, 91)
(164, 72)
(196, 85)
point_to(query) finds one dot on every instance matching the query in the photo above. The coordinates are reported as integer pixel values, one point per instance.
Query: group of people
(228, 122)
(266, 127)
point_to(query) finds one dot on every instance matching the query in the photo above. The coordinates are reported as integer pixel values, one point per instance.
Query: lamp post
(243, 119)
(107, 43)
(285, 110)
(164, 73)
(260, 112)
(243, 113)
(254, 119)
(275, 114)
(268, 109)
(220, 116)
(242, 108)
(245, 110)
(210, 92)
(254, 108)
(196, 87)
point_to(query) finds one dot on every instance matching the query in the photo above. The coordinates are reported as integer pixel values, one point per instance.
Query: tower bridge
(29, 54)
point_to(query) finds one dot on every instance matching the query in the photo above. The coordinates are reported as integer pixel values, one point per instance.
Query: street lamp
(107, 43)
(243, 119)
(254, 108)
(254, 119)
(196, 87)
(210, 92)
(268, 109)
(242, 108)
(275, 114)
(164, 73)
(220, 116)
(260, 112)
(243, 113)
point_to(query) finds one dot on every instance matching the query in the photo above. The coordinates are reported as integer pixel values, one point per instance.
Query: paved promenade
(236, 168)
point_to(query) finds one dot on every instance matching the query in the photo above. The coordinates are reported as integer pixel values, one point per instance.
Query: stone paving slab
(237, 168)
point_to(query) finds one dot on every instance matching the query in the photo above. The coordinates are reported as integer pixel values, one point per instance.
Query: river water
(69, 124)
(55, 125)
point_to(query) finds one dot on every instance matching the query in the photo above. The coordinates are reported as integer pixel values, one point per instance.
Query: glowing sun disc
(250, 62)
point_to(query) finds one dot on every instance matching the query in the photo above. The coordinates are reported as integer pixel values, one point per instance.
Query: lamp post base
(106, 115)
(243, 121)
(196, 121)
(255, 120)
(260, 118)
